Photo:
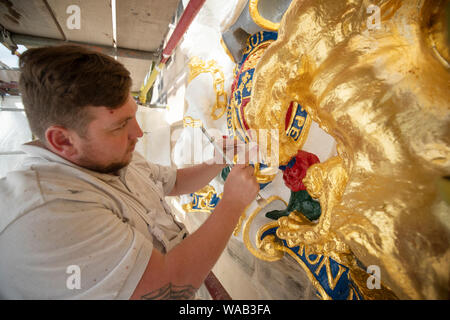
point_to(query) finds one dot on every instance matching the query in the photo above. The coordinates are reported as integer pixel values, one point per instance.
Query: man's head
(78, 103)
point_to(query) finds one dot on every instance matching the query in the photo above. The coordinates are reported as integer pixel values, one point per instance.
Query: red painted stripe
(186, 19)
(215, 288)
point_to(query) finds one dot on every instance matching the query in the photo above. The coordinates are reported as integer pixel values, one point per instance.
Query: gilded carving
(382, 93)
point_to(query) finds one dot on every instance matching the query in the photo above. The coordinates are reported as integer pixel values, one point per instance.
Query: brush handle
(259, 198)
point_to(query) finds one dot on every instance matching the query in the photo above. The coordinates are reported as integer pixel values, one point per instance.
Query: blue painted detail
(211, 205)
(245, 77)
(255, 40)
(318, 269)
(298, 121)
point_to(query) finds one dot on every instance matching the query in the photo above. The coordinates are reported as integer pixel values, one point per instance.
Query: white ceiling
(140, 25)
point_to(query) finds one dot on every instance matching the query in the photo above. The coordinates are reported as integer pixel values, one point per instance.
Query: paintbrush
(259, 199)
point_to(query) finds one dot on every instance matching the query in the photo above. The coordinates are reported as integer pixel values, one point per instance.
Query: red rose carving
(293, 177)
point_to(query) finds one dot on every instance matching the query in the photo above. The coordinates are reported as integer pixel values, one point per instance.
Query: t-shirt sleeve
(72, 250)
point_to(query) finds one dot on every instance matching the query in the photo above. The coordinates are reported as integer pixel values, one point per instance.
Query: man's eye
(123, 125)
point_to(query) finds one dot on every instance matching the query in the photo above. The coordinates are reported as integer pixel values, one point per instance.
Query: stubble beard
(110, 168)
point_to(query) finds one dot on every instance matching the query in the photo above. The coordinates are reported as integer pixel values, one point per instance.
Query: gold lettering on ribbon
(312, 262)
(255, 40)
(331, 281)
(196, 200)
(294, 133)
(352, 293)
(300, 120)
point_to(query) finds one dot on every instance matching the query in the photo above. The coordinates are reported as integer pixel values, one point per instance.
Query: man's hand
(240, 188)
(232, 147)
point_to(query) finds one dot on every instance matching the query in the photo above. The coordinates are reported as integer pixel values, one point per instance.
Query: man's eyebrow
(122, 120)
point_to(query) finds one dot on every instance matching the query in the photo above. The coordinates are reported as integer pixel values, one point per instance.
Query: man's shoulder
(19, 193)
(18, 184)
(22, 191)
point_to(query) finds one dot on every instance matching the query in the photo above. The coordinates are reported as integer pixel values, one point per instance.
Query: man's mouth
(131, 148)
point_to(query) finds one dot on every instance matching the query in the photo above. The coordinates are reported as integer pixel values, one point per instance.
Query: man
(84, 216)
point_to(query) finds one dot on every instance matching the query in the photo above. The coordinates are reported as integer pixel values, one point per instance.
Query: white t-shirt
(67, 232)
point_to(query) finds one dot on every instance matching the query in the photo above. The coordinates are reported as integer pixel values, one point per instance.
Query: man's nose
(136, 131)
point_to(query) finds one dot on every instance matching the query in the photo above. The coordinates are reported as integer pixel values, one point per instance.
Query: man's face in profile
(110, 138)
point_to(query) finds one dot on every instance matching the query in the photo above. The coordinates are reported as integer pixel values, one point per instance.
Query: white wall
(155, 144)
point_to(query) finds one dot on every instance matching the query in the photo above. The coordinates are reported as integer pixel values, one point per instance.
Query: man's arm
(179, 273)
(194, 178)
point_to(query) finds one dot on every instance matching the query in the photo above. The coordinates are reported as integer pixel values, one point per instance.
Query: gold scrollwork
(270, 249)
(237, 229)
(198, 66)
(191, 122)
(259, 20)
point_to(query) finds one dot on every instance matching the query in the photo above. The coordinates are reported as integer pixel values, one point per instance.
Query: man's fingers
(250, 170)
(240, 166)
(246, 152)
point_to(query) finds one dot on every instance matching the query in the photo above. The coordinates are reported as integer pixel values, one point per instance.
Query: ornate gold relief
(333, 278)
(383, 95)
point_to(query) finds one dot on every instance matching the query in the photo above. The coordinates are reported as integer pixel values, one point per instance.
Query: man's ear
(61, 141)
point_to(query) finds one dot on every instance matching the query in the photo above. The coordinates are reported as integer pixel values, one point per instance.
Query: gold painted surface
(264, 175)
(287, 146)
(198, 66)
(383, 94)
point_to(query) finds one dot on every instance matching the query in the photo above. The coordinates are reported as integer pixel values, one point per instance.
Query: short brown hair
(57, 83)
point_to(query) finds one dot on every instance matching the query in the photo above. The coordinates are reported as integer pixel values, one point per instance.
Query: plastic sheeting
(14, 131)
